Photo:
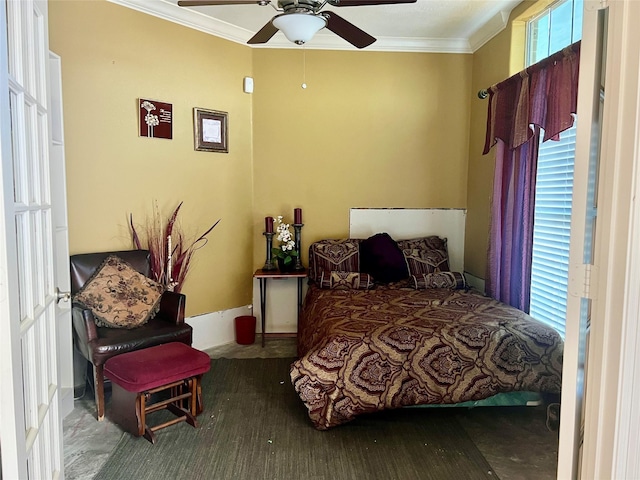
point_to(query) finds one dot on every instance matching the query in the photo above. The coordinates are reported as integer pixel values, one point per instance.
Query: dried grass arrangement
(170, 250)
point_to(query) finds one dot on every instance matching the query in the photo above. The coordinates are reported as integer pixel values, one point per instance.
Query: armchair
(98, 344)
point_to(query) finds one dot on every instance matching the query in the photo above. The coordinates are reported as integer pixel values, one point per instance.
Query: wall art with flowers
(155, 119)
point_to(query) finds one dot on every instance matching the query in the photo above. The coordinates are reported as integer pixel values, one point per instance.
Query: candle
(268, 224)
(297, 216)
(169, 252)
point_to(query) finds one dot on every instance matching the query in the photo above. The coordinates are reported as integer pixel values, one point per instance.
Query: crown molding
(382, 44)
(187, 18)
(494, 26)
(196, 20)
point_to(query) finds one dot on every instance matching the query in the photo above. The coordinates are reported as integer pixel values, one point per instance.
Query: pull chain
(304, 68)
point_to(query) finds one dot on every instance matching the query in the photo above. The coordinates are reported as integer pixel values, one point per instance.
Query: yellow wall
(497, 60)
(370, 130)
(111, 56)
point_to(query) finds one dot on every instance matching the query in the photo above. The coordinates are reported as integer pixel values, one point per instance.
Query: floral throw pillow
(425, 254)
(119, 296)
(422, 262)
(332, 255)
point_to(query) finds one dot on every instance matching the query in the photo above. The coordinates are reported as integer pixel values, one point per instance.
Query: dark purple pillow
(381, 258)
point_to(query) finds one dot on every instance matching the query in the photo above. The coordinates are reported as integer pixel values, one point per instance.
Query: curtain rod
(574, 47)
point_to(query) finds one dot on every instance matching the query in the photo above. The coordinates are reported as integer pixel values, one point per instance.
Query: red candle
(268, 224)
(297, 216)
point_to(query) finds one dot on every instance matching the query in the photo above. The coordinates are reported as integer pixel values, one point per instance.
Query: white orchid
(286, 250)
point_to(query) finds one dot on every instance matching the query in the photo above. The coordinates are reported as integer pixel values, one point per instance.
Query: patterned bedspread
(367, 350)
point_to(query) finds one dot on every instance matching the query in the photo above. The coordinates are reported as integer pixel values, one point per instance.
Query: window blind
(552, 229)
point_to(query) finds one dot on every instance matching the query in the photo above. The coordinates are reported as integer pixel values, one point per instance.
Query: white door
(61, 235)
(30, 427)
(600, 395)
(583, 231)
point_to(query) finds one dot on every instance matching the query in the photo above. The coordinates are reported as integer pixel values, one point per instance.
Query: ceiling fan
(300, 20)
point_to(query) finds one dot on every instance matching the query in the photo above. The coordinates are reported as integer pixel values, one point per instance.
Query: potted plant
(169, 248)
(285, 253)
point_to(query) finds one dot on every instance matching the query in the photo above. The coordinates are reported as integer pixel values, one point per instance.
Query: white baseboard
(475, 282)
(215, 328)
(66, 401)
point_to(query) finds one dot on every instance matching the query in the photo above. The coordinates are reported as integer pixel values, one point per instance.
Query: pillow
(432, 242)
(425, 254)
(381, 258)
(333, 256)
(119, 296)
(423, 262)
(349, 281)
(451, 280)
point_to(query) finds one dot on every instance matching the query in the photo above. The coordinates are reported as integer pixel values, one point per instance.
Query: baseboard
(215, 328)
(475, 282)
(218, 328)
(280, 335)
(66, 401)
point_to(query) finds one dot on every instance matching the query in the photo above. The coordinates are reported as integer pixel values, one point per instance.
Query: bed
(371, 338)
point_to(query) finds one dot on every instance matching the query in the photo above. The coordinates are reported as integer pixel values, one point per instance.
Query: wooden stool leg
(193, 400)
(188, 412)
(199, 405)
(183, 414)
(141, 411)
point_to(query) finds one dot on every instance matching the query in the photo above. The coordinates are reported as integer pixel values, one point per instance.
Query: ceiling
(444, 26)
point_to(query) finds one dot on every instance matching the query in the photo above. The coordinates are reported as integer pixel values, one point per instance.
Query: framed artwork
(155, 119)
(211, 130)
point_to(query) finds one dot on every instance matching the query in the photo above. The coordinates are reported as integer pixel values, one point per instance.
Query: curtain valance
(544, 94)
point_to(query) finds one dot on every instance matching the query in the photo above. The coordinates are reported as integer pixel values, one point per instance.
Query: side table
(263, 276)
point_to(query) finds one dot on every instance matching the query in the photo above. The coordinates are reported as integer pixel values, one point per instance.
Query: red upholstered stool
(136, 376)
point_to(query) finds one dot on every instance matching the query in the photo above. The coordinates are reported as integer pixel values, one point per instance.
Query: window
(553, 29)
(556, 27)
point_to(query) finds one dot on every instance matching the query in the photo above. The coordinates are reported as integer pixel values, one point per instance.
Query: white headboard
(405, 223)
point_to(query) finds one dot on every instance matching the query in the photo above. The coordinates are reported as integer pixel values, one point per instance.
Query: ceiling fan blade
(202, 3)
(265, 34)
(357, 3)
(347, 30)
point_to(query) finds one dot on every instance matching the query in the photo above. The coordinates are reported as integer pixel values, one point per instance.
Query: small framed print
(211, 130)
(155, 119)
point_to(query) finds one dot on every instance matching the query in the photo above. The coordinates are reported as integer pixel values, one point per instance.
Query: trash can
(245, 329)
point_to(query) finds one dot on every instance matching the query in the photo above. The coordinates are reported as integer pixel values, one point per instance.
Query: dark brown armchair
(98, 344)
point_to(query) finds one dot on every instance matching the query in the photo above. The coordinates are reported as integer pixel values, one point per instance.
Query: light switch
(248, 85)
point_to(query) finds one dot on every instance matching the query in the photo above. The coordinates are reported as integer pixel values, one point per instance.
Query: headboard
(405, 223)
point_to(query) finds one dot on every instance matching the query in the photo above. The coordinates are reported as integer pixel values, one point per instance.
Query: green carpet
(255, 427)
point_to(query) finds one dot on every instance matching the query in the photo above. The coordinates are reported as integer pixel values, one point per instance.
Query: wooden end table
(263, 276)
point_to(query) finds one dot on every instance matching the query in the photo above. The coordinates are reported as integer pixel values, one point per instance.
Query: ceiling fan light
(299, 28)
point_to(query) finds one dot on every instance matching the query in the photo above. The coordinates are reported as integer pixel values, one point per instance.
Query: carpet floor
(255, 427)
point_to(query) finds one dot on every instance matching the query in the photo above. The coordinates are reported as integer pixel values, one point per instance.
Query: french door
(30, 426)
(600, 414)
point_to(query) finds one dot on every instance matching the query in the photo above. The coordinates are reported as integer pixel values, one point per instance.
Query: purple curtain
(542, 96)
(511, 229)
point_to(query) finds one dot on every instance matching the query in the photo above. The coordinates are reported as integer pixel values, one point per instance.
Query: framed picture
(155, 119)
(211, 130)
